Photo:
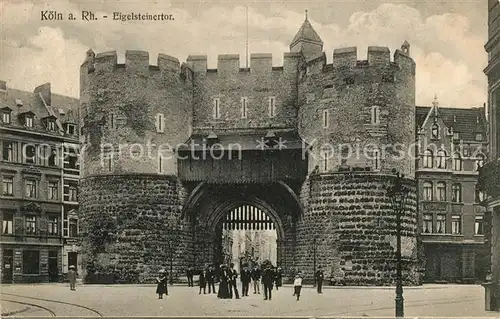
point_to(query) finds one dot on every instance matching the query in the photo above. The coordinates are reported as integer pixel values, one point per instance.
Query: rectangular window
(326, 119)
(70, 129)
(70, 191)
(8, 151)
(325, 161)
(7, 223)
(375, 114)
(160, 120)
(8, 185)
(73, 228)
(31, 262)
(272, 106)
(31, 191)
(427, 224)
(479, 137)
(479, 226)
(441, 224)
(376, 160)
(216, 108)
(30, 225)
(29, 153)
(28, 121)
(456, 193)
(53, 190)
(53, 225)
(456, 135)
(6, 117)
(441, 191)
(244, 105)
(112, 120)
(456, 224)
(161, 164)
(70, 157)
(51, 125)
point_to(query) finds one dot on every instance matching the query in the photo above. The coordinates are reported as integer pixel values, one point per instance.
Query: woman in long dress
(223, 292)
(161, 284)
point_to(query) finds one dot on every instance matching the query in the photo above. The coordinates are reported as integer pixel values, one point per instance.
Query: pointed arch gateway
(213, 207)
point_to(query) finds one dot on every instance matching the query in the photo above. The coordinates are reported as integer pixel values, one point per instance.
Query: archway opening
(248, 237)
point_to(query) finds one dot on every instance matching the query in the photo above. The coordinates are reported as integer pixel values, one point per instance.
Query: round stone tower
(132, 116)
(358, 117)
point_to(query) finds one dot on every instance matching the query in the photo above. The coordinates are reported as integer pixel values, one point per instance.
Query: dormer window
(435, 131)
(28, 121)
(70, 129)
(51, 125)
(6, 115)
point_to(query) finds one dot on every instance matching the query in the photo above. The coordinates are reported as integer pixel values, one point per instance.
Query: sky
(447, 37)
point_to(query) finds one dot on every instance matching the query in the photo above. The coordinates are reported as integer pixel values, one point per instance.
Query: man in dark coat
(72, 277)
(256, 279)
(190, 274)
(211, 279)
(278, 273)
(232, 282)
(246, 276)
(267, 281)
(203, 281)
(319, 279)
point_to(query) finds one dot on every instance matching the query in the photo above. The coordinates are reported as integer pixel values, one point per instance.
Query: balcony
(489, 179)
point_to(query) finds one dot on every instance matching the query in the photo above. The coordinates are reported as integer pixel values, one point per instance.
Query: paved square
(141, 300)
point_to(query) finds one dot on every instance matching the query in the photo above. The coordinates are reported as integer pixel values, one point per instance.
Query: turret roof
(306, 33)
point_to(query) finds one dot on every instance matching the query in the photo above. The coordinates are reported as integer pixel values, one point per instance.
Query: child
(297, 285)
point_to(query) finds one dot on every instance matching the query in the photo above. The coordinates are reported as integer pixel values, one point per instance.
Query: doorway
(7, 266)
(53, 269)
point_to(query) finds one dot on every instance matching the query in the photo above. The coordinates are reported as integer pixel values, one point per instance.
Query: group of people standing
(266, 274)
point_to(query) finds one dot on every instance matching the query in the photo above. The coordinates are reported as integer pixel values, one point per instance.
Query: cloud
(449, 57)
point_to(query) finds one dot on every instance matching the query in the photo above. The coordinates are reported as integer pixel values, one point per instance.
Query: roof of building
(306, 33)
(467, 122)
(62, 108)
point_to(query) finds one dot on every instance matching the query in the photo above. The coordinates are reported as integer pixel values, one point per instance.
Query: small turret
(405, 47)
(307, 41)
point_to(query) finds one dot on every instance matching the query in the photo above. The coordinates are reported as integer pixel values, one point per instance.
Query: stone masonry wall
(351, 219)
(347, 89)
(129, 224)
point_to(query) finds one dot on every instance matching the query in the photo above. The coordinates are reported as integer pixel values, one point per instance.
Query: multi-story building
(489, 177)
(452, 145)
(39, 173)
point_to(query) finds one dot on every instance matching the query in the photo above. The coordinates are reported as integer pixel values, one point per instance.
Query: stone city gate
(251, 188)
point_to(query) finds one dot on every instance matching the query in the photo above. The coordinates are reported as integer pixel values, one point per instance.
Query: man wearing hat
(319, 279)
(72, 277)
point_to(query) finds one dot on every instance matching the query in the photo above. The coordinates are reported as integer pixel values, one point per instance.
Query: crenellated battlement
(260, 63)
(135, 61)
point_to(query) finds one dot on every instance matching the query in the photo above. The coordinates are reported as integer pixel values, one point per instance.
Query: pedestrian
(256, 278)
(224, 283)
(211, 279)
(267, 281)
(72, 277)
(279, 277)
(233, 275)
(190, 274)
(203, 281)
(319, 279)
(297, 285)
(161, 284)
(246, 276)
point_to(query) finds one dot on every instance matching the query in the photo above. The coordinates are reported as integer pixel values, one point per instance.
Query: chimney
(44, 90)
(3, 89)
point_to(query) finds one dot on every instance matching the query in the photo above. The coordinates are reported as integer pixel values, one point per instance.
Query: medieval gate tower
(171, 149)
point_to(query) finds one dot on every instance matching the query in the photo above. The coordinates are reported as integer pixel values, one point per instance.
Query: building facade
(452, 146)
(489, 177)
(39, 172)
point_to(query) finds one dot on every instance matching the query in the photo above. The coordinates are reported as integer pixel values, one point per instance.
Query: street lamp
(314, 261)
(399, 195)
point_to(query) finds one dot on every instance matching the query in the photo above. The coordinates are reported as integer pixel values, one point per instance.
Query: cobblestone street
(140, 300)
